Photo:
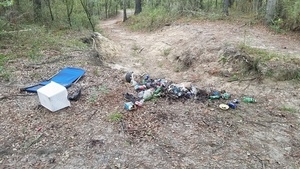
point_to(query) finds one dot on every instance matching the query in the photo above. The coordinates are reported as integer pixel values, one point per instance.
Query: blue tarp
(64, 77)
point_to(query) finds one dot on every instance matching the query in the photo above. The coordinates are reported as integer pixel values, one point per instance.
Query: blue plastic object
(65, 77)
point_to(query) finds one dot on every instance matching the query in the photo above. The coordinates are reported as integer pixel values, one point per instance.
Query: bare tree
(50, 9)
(138, 7)
(106, 8)
(226, 4)
(271, 11)
(88, 12)
(37, 9)
(257, 4)
(69, 6)
(124, 11)
(17, 5)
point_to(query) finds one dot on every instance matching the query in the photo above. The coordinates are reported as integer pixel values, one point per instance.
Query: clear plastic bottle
(148, 94)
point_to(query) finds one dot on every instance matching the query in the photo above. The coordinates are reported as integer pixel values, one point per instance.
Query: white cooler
(53, 96)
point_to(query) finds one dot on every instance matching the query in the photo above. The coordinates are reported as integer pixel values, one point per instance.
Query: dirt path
(154, 52)
(163, 133)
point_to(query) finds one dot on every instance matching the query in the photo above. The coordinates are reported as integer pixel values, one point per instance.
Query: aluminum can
(232, 105)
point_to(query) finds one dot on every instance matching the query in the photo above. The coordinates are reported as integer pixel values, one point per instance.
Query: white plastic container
(53, 96)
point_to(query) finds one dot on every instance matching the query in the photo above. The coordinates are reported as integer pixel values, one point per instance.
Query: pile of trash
(147, 89)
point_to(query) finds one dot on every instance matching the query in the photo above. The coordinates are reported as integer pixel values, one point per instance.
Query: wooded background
(78, 14)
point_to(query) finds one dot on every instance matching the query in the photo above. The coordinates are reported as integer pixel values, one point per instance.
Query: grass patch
(33, 43)
(30, 43)
(288, 109)
(233, 78)
(93, 98)
(166, 52)
(160, 64)
(103, 89)
(115, 117)
(96, 72)
(288, 74)
(5, 74)
(262, 54)
(135, 47)
(269, 64)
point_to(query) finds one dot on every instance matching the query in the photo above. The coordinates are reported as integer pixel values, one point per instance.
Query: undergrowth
(115, 117)
(262, 54)
(150, 19)
(277, 66)
(32, 43)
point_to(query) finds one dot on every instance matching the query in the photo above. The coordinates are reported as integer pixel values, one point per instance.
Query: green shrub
(150, 19)
(115, 117)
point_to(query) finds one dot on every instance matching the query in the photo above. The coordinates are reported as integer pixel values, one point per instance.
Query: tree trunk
(257, 4)
(226, 4)
(37, 10)
(106, 8)
(70, 7)
(271, 11)
(231, 2)
(88, 13)
(50, 9)
(110, 8)
(124, 11)
(138, 7)
(18, 7)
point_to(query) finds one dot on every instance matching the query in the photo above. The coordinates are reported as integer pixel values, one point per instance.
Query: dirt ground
(162, 133)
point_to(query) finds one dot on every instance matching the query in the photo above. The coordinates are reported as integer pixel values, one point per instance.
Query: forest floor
(163, 133)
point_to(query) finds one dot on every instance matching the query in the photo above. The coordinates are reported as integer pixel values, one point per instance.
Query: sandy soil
(162, 133)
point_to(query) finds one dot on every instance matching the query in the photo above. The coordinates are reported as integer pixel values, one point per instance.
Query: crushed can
(236, 101)
(140, 87)
(129, 106)
(232, 105)
(139, 103)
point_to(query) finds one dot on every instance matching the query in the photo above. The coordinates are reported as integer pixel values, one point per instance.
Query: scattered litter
(232, 105)
(225, 96)
(128, 76)
(224, 106)
(236, 101)
(147, 88)
(249, 100)
(74, 92)
(53, 96)
(65, 77)
(129, 106)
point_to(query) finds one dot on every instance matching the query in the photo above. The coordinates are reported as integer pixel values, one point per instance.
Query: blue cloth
(66, 77)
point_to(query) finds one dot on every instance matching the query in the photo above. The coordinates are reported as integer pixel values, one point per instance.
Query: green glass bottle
(214, 97)
(158, 90)
(226, 96)
(249, 100)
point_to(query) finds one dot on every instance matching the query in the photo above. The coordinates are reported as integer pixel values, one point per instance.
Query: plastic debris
(236, 101)
(224, 106)
(129, 106)
(148, 88)
(128, 76)
(225, 96)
